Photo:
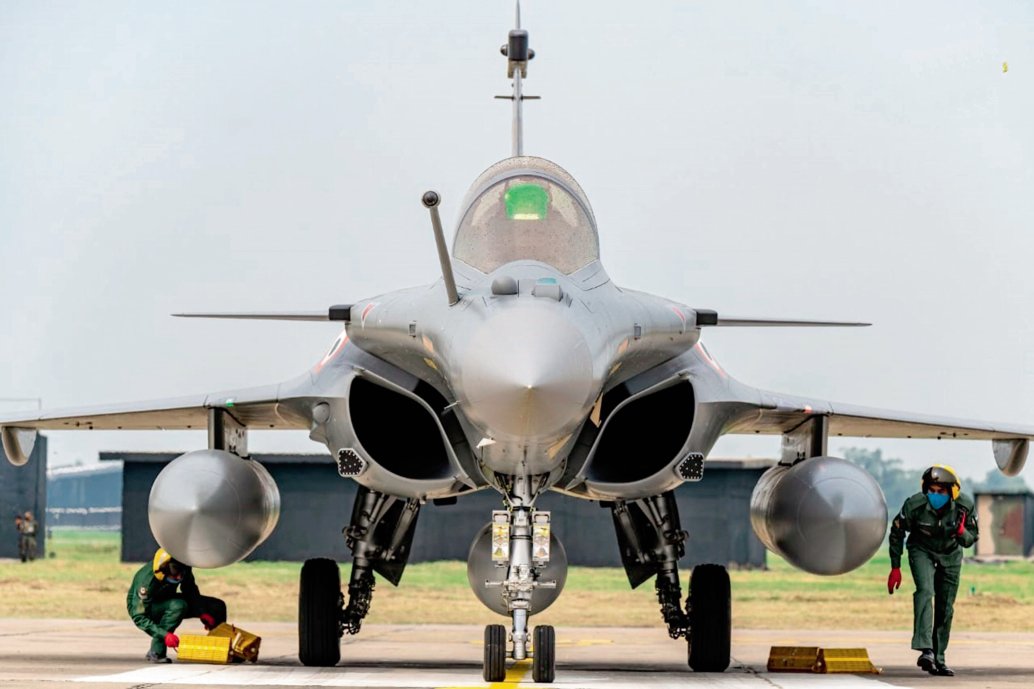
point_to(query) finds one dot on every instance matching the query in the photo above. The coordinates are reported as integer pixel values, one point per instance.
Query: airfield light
(526, 202)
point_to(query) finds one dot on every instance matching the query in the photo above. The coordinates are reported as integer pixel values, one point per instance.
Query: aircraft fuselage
(526, 354)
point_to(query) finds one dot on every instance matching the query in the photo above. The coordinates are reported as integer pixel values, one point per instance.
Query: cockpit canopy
(526, 208)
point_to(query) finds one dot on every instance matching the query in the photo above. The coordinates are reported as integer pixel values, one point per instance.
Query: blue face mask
(937, 500)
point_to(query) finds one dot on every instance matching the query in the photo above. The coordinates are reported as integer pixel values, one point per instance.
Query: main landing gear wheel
(543, 665)
(710, 618)
(494, 668)
(319, 613)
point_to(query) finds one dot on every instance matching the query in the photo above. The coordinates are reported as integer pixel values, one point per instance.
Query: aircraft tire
(710, 618)
(494, 668)
(543, 665)
(319, 613)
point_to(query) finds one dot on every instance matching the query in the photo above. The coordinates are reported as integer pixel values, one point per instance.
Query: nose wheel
(494, 667)
(543, 664)
(543, 653)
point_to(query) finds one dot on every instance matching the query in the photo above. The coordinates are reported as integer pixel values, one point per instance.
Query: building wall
(85, 498)
(23, 488)
(1006, 525)
(316, 504)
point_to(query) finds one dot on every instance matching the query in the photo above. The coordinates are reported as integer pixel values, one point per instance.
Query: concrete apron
(99, 654)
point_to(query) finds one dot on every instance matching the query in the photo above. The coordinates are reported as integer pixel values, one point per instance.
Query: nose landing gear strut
(520, 546)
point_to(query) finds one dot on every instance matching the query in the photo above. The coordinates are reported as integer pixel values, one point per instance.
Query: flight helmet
(945, 476)
(165, 565)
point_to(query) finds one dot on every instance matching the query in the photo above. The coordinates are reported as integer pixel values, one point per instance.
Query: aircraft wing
(254, 407)
(779, 414)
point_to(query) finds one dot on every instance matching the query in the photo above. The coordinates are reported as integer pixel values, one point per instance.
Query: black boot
(153, 657)
(926, 660)
(942, 671)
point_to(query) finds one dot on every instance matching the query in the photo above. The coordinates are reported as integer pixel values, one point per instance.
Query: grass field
(85, 579)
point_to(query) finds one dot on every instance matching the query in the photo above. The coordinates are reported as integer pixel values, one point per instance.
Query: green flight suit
(27, 539)
(157, 607)
(935, 558)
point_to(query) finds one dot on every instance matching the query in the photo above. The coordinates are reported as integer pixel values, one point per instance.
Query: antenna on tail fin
(518, 54)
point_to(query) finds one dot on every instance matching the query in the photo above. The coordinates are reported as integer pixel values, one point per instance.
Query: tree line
(899, 482)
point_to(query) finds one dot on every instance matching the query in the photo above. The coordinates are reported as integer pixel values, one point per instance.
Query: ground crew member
(940, 522)
(162, 594)
(27, 537)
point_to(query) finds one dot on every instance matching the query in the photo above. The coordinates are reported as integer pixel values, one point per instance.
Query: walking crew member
(162, 594)
(940, 522)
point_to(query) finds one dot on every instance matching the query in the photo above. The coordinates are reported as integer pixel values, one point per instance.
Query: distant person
(18, 529)
(26, 526)
(162, 594)
(940, 522)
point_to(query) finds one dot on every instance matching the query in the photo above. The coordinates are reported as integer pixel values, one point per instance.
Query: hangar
(715, 511)
(85, 497)
(23, 488)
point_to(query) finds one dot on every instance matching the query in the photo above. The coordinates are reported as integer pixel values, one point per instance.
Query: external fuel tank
(211, 508)
(825, 515)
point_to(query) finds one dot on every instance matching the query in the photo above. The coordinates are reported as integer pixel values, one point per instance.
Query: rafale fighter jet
(524, 369)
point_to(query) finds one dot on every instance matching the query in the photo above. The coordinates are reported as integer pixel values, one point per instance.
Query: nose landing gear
(521, 544)
(516, 567)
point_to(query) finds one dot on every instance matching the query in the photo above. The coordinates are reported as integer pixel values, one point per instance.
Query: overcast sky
(817, 160)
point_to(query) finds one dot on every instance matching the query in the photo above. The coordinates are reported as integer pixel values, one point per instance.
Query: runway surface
(109, 655)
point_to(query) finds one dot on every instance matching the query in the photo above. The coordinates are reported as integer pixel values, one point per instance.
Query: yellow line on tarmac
(514, 675)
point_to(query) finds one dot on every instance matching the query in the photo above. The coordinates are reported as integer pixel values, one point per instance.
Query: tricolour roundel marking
(335, 349)
(366, 312)
(710, 361)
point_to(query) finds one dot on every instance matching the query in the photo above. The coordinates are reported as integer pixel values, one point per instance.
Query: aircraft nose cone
(527, 373)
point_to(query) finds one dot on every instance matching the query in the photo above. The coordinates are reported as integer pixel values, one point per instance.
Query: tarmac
(46, 653)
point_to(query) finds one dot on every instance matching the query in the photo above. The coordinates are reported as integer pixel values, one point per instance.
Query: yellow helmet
(944, 475)
(161, 558)
(162, 563)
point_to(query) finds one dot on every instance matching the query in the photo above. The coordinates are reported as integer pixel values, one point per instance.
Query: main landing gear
(652, 541)
(380, 536)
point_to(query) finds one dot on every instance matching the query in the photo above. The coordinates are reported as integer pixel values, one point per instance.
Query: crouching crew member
(162, 594)
(940, 522)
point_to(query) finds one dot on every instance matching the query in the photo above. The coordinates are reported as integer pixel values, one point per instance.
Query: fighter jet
(524, 369)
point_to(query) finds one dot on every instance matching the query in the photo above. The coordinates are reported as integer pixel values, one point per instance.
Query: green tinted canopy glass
(526, 217)
(527, 202)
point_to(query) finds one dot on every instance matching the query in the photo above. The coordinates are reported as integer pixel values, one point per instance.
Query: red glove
(208, 621)
(894, 580)
(172, 641)
(962, 523)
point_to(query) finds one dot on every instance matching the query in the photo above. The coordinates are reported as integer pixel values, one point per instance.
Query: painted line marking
(514, 674)
(468, 678)
(578, 643)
